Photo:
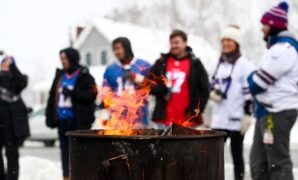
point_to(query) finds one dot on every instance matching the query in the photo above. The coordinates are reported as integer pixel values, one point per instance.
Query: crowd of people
(237, 89)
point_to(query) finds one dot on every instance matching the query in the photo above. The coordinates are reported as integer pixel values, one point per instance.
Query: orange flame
(191, 120)
(126, 107)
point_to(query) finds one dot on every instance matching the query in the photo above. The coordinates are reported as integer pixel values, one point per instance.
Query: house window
(88, 59)
(104, 57)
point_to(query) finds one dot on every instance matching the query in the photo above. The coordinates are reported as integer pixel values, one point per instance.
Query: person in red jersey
(182, 97)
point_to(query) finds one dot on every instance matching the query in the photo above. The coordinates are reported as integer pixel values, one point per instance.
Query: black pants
(237, 152)
(63, 127)
(10, 144)
(273, 162)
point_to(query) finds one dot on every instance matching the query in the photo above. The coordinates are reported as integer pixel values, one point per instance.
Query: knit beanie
(277, 16)
(232, 32)
(11, 58)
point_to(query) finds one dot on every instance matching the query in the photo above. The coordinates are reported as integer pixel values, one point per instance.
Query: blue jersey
(64, 108)
(113, 78)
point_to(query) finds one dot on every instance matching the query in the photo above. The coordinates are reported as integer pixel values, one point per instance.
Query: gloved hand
(248, 107)
(127, 73)
(245, 124)
(134, 77)
(67, 92)
(137, 78)
(215, 96)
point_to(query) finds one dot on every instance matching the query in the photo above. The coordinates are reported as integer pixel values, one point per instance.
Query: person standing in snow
(275, 88)
(230, 94)
(71, 102)
(182, 99)
(127, 73)
(14, 127)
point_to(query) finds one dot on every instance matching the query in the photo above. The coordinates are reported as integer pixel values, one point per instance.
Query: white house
(94, 43)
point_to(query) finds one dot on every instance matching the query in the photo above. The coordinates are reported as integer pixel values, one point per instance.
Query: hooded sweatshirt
(73, 57)
(69, 77)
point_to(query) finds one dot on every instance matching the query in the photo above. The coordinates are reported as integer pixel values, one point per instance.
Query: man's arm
(144, 68)
(106, 79)
(156, 79)
(89, 93)
(50, 108)
(276, 62)
(248, 69)
(203, 86)
(22, 80)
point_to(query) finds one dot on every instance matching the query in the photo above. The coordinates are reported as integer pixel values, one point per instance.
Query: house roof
(147, 43)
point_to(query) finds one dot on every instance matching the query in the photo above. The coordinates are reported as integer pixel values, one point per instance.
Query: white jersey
(278, 75)
(228, 113)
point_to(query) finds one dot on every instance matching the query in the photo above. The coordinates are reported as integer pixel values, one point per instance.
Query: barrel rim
(87, 134)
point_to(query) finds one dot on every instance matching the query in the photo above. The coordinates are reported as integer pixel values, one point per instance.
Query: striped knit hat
(277, 16)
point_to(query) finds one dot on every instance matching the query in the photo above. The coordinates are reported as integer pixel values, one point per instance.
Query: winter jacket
(15, 82)
(227, 114)
(83, 100)
(198, 87)
(274, 84)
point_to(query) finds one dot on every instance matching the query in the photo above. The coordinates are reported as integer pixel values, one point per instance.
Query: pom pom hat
(277, 16)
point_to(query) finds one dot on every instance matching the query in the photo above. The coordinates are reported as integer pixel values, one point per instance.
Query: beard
(273, 32)
(71, 68)
(266, 38)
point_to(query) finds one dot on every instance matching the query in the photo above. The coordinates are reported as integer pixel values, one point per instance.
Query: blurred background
(34, 31)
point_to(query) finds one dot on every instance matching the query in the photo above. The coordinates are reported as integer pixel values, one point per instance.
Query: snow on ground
(34, 168)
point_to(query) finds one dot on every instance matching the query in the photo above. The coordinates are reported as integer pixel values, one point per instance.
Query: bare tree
(206, 18)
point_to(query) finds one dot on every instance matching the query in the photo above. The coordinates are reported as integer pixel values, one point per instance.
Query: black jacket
(198, 87)
(83, 100)
(15, 83)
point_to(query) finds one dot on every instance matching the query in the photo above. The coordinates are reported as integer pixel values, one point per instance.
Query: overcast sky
(35, 30)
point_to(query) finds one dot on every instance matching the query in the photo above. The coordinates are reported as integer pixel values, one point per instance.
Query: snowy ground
(36, 168)
(40, 163)
(44, 164)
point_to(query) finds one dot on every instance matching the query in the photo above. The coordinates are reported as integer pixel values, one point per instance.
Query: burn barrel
(148, 155)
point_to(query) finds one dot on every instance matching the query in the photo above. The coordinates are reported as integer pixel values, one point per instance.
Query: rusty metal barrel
(150, 155)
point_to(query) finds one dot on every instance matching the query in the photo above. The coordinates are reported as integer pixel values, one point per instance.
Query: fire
(124, 111)
(190, 121)
(126, 107)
